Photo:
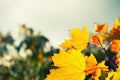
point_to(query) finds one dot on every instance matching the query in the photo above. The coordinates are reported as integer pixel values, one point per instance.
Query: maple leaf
(79, 39)
(71, 66)
(116, 24)
(114, 75)
(100, 28)
(98, 39)
(117, 58)
(115, 45)
(91, 64)
(115, 31)
(67, 44)
(92, 67)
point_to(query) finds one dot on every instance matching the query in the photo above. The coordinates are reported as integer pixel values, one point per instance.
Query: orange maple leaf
(100, 28)
(115, 31)
(94, 68)
(115, 45)
(98, 39)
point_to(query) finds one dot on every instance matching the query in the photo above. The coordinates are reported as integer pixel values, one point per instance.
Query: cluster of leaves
(78, 59)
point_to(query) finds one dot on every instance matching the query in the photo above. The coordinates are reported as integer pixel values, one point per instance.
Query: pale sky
(55, 17)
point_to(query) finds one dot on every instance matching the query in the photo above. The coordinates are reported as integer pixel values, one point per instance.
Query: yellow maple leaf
(67, 44)
(110, 75)
(114, 75)
(116, 24)
(79, 39)
(70, 66)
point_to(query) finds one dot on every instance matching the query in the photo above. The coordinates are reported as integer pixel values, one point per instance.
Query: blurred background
(55, 17)
(31, 30)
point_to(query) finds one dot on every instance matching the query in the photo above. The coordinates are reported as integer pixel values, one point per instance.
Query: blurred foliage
(32, 60)
(25, 70)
